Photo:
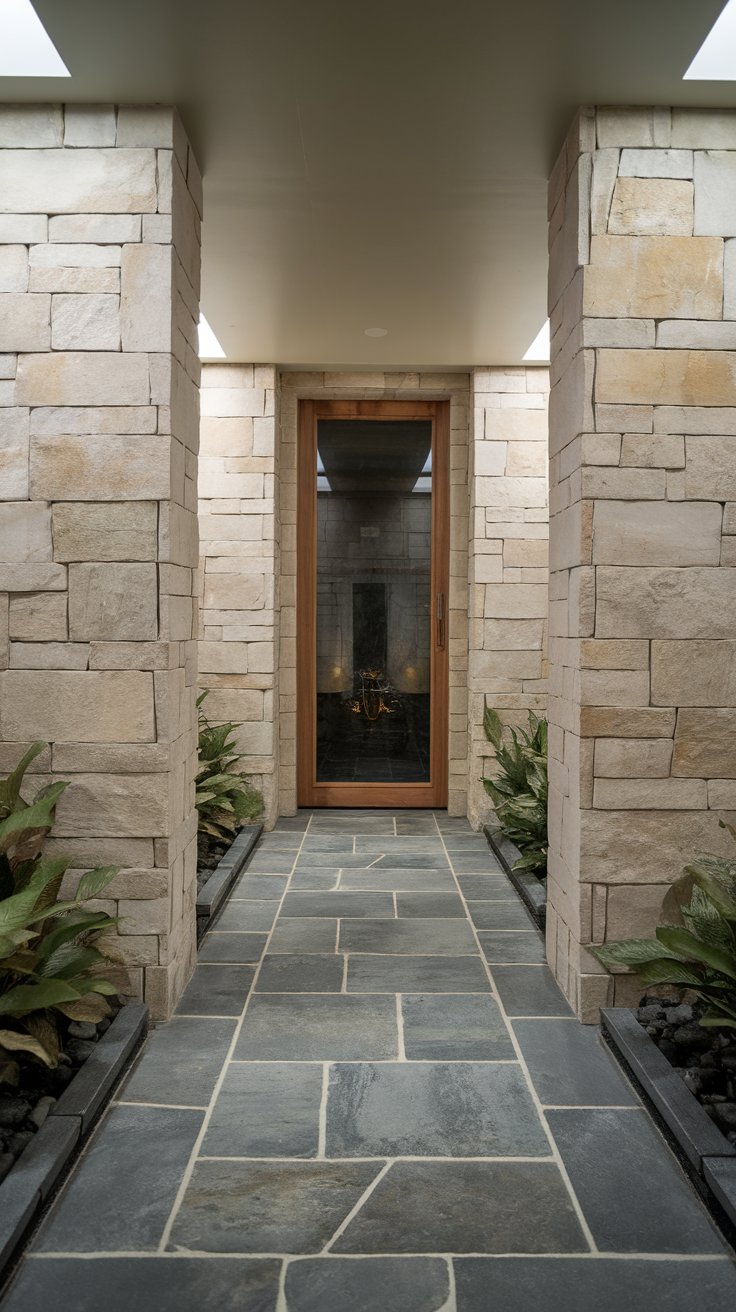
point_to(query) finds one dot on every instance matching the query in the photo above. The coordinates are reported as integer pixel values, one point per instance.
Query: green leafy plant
(519, 791)
(48, 963)
(225, 798)
(699, 949)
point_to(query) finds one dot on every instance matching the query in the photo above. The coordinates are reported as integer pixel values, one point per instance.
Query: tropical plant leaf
(633, 952)
(14, 1042)
(667, 971)
(37, 996)
(45, 1031)
(91, 1007)
(687, 946)
(10, 787)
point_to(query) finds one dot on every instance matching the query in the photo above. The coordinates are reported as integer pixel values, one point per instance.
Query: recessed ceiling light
(26, 49)
(539, 349)
(716, 58)
(209, 347)
(376, 332)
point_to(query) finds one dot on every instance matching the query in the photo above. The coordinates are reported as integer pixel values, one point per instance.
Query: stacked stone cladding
(240, 566)
(642, 297)
(508, 567)
(100, 212)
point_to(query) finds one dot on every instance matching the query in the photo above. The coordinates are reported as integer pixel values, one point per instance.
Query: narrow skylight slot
(539, 349)
(26, 49)
(209, 347)
(716, 58)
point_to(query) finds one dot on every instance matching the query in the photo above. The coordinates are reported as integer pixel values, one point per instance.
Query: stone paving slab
(365, 1102)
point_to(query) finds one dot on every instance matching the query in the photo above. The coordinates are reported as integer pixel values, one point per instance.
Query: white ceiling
(376, 163)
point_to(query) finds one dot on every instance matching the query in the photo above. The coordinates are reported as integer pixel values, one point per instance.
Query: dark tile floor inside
(374, 1098)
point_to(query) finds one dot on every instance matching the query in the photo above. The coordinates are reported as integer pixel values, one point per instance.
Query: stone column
(99, 291)
(507, 559)
(642, 523)
(239, 571)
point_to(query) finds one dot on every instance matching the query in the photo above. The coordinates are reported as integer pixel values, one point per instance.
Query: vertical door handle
(440, 620)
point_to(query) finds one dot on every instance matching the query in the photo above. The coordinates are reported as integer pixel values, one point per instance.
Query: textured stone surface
(68, 182)
(114, 706)
(106, 530)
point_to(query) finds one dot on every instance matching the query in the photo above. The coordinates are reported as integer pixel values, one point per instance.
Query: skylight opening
(209, 347)
(26, 49)
(539, 349)
(716, 58)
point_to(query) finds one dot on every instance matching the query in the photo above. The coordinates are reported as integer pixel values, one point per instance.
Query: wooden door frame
(309, 792)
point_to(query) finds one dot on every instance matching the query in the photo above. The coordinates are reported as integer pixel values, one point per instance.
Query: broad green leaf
(91, 1007)
(23, 998)
(35, 818)
(688, 946)
(716, 893)
(92, 883)
(633, 952)
(68, 961)
(668, 972)
(10, 787)
(71, 926)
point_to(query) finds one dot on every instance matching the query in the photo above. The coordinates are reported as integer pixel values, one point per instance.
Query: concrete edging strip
(530, 889)
(212, 895)
(28, 1185)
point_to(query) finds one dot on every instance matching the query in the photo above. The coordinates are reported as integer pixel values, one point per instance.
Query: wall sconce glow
(716, 58)
(209, 347)
(26, 49)
(539, 349)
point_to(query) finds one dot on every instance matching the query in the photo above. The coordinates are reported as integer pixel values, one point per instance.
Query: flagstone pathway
(374, 1098)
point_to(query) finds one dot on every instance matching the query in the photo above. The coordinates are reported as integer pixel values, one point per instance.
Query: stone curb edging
(28, 1186)
(707, 1155)
(529, 887)
(212, 895)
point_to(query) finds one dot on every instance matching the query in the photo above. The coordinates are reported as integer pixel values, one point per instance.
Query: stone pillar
(239, 571)
(507, 560)
(99, 292)
(642, 300)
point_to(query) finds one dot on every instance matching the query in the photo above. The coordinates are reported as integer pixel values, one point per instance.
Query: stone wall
(99, 290)
(239, 570)
(508, 559)
(643, 522)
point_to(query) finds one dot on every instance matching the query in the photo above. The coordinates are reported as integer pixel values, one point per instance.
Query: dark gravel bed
(24, 1105)
(704, 1057)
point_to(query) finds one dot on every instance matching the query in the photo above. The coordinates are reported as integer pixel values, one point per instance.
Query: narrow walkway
(374, 1098)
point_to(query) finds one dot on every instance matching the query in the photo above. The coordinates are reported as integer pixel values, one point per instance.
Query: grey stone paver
(388, 1070)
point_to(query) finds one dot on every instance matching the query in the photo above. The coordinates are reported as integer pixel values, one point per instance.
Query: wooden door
(372, 603)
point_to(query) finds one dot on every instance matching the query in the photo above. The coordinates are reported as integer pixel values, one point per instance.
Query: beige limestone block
(133, 655)
(662, 533)
(13, 269)
(48, 656)
(115, 758)
(653, 451)
(513, 634)
(113, 602)
(28, 126)
(704, 129)
(704, 743)
(526, 460)
(75, 281)
(515, 601)
(622, 418)
(633, 912)
(653, 602)
(729, 279)
(722, 794)
(226, 437)
(569, 249)
(32, 578)
(673, 378)
(570, 402)
(38, 617)
(626, 722)
(94, 468)
(77, 255)
(232, 402)
(48, 421)
(23, 228)
(86, 853)
(77, 705)
(516, 425)
(234, 592)
(85, 323)
(13, 454)
(519, 551)
(614, 687)
(490, 458)
(695, 419)
(710, 470)
(115, 806)
(146, 297)
(651, 207)
(105, 530)
(8, 365)
(633, 758)
(694, 673)
(618, 332)
(83, 378)
(85, 181)
(646, 277)
(622, 484)
(89, 125)
(650, 848)
(152, 125)
(25, 323)
(694, 334)
(596, 654)
(94, 229)
(715, 193)
(605, 171)
(25, 531)
(656, 164)
(623, 125)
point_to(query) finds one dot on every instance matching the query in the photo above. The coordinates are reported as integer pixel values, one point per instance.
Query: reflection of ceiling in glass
(366, 455)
